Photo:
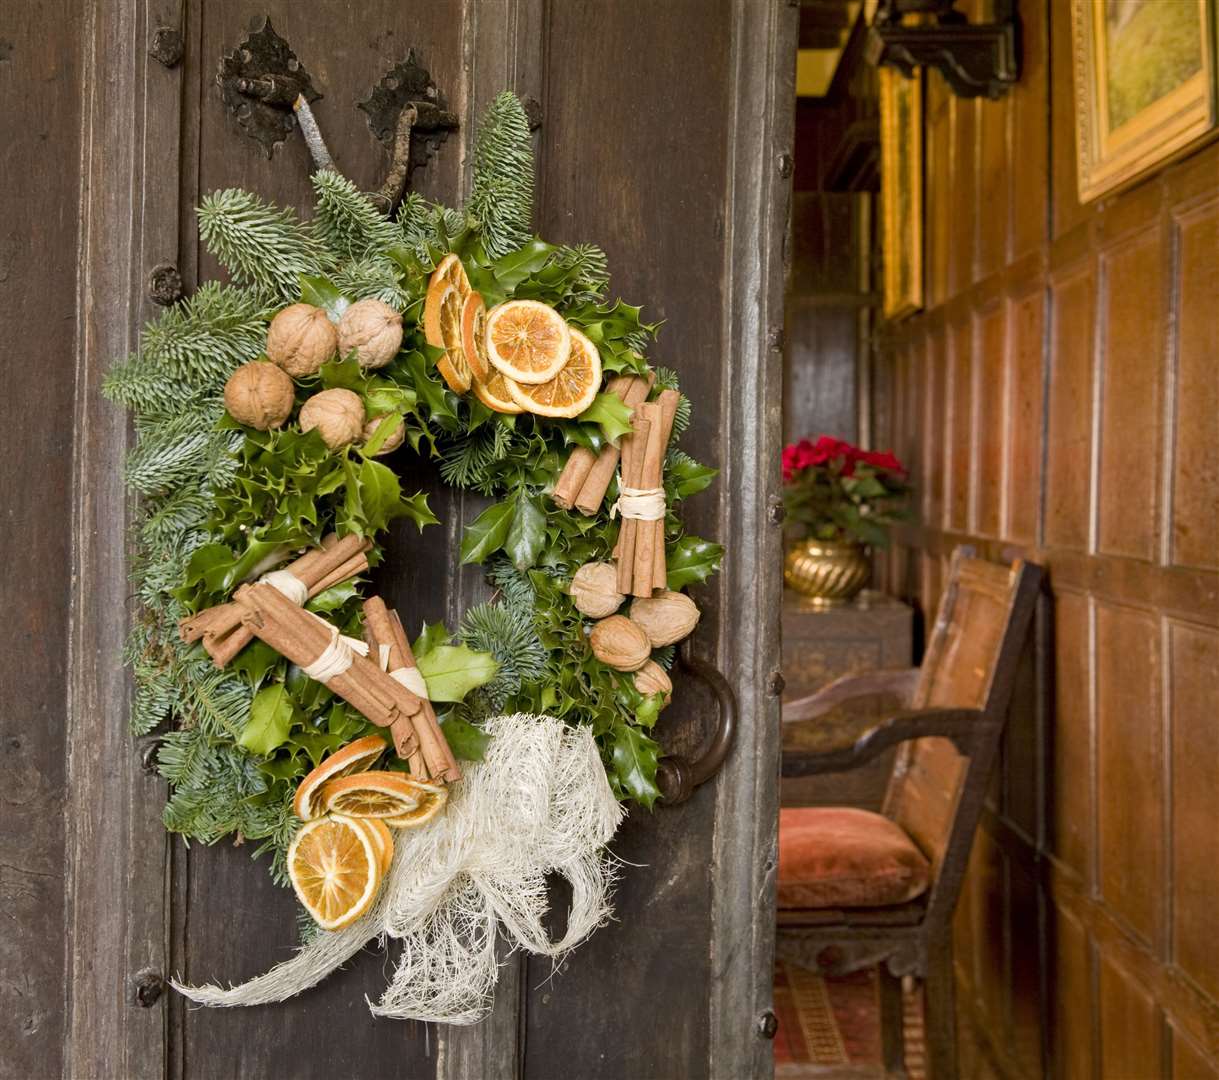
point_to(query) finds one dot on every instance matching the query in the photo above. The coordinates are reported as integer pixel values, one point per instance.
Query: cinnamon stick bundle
(640, 549)
(433, 760)
(221, 627)
(309, 641)
(634, 447)
(586, 477)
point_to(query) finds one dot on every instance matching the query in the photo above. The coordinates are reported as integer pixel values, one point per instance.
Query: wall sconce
(974, 58)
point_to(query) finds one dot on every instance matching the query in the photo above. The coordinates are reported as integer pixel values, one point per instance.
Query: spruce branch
(502, 196)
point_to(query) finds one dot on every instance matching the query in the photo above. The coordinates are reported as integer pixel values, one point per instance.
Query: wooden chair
(858, 889)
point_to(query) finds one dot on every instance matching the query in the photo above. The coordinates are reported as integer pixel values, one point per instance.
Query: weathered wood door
(664, 137)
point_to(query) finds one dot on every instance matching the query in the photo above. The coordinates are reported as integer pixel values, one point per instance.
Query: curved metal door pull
(677, 776)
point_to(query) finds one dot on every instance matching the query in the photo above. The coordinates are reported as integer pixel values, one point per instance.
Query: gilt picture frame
(901, 191)
(1144, 86)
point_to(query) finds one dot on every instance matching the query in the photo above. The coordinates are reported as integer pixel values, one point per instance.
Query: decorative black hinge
(975, 58)
(407, 84)
(259, 80)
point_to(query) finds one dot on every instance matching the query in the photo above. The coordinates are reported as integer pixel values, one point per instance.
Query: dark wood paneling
(1108, 474)
(1193, 664)
(992, 411)
(40, 73)
(1131, 435)
(1069, 480)
(1195, 472)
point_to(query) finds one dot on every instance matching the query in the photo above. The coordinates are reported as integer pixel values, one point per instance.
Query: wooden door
(664, 137)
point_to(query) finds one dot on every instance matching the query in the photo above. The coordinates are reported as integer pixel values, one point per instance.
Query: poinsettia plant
(835, 491)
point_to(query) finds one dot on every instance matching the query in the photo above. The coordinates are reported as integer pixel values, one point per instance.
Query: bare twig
(395, 180)
(313, 135)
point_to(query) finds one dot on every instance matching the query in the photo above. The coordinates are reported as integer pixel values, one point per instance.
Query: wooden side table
(872, 632)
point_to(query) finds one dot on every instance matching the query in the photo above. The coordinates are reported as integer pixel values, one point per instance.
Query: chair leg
(940, 1012)
(892, 1023)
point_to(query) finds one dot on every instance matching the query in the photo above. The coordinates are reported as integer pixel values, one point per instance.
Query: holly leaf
(611, 413)
(692, 559)
(269, 722)
(452, 671)
(487, 533)
(324, 293)
(685, 477)
(433, 634)
(333, 598)
(388, 425)
(513, 268)
(416, 508)
(464, 739)
(633, 757)
(255, 660)
(526, 535)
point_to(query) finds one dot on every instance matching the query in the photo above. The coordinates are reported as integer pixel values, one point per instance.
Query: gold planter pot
(828, 572)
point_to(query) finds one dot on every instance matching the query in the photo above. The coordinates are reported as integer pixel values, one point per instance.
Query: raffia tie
(643, 504)
(335, 658)
(287, 583)
(410, 677)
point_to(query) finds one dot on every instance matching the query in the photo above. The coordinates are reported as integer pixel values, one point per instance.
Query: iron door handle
(677, 776)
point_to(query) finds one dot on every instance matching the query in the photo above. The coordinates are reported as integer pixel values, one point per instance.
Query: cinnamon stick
(592, 494)
(633, 447)
(649, 477)
(668, 400)
(378, 634)
(580, 463)
(437, 754)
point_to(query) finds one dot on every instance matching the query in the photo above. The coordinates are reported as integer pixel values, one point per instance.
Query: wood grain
(36, 442)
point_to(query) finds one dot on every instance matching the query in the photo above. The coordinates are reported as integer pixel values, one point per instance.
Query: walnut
(338, 416)
(301, 339)
(620, 643)
(666, 618)
(373, 329)
(259, 395)
(392, 441)
(594, 590)
(653, 679)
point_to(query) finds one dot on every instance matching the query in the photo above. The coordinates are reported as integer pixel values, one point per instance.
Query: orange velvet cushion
(837, 856)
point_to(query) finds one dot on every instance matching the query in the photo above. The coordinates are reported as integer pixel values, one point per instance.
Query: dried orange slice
(571, 391)
(453, 365)
(334, 869)
(527, 340)
(448, 272)
(353, 758)
(432, 798)
(474, 336)
(382, 841)
(494, 393)
(370, 794)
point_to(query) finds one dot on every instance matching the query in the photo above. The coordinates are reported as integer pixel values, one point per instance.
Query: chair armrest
(899, 684)
(842, 741)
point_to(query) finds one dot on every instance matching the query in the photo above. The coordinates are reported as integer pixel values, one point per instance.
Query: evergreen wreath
(220, 503)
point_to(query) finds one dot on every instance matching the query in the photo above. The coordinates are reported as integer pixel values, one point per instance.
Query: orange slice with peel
(383, 841)
(334, 869)
(448, 272)
(453, 365)
(527, 340)
(474, 336)
(571, 391)
(432, 798)
(353, 758)
(495, 394)
(378, 794)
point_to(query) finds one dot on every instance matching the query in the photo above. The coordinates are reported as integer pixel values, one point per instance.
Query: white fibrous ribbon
(643, 504)
(286, 582)
(538, 804)
(336, 657)
(412, 679)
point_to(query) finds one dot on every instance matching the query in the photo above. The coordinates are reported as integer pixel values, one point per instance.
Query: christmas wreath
(290, 704)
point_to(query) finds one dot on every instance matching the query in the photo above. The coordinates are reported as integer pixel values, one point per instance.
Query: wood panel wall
(1059, 399)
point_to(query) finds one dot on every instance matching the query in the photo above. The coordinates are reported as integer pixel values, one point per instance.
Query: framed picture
(1144, 85)
(901, 190)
